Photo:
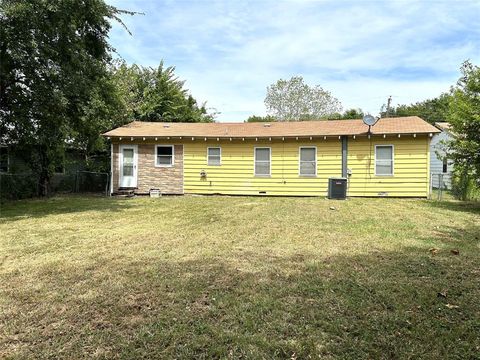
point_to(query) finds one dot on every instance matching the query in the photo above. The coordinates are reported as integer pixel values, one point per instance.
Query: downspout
(345, 161)
(344, 156)
(111, 168)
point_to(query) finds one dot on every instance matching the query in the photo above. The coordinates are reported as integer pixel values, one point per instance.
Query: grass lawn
(239, 277)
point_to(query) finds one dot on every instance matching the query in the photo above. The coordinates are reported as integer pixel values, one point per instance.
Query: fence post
(107, 185)
(430, 193)
(77, 180)
(440, 187)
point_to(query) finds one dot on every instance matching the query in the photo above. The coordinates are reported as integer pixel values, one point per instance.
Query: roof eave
(163, 136)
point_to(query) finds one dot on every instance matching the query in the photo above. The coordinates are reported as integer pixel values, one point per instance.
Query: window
(308, 161)
(445, 166)
(384, 160)
(128, 162)
(214, 155)
(262, 161)
(164, 155)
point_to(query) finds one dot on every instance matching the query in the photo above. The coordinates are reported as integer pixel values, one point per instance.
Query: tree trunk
(44, 175)
(44, 184)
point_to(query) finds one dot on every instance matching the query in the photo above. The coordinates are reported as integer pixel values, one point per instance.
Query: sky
(229, 51)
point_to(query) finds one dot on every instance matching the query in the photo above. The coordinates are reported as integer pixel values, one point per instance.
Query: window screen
(214, 156)
(308, 161)
(384, 160)
(164, 155)
(262, 161)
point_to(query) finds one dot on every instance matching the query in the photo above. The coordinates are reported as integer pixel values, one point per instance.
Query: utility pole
(389, 102)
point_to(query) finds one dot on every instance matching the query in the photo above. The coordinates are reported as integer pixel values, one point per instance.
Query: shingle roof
(443, 125)
(401, 125)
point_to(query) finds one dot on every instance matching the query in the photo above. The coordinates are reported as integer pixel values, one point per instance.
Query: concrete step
(125, 192)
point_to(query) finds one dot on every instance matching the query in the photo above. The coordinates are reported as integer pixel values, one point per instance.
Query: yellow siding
(236, 173)
(411, 167)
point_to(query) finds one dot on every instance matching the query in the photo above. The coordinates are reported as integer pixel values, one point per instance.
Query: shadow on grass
(37, 208)
(376, 305)
(463, 206)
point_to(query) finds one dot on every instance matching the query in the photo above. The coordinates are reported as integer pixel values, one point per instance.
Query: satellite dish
(369, 120)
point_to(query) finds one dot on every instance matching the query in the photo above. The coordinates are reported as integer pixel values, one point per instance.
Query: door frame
(135, 164)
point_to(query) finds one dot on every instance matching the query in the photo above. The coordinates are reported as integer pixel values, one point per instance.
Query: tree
(464, 118)
(103, 111)
(150, 94)
(256, 118)
(430, 110)
(54, 57)
(348, 114)
(293, 100)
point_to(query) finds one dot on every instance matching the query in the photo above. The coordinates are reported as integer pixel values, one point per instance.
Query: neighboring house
(10, 163)
(440, 166)
(278, 158)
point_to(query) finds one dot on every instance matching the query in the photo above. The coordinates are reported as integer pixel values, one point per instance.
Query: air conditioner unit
(337, 188)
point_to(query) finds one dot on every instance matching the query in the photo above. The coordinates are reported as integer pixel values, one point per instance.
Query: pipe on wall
(344, 155)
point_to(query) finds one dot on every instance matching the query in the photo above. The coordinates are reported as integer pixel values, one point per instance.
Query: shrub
(465, 184)
(18, 186)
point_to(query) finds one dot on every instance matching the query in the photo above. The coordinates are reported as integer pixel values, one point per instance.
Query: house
(279, 158)
(440, 166)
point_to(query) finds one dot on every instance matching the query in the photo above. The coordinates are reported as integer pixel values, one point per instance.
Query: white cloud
(362, 52)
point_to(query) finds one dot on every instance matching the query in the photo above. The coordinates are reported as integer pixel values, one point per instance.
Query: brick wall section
(168, 179)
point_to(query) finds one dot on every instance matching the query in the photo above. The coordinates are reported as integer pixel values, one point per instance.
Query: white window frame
(393, 159)
(445, 165)
(208, 155)
(269, 161)
(300, 161)
(156, 155)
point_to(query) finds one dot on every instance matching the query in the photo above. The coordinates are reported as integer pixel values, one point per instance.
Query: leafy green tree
(348, 114)
(431, 110)
(104, 110)
(150, 94)
(464, 118)
(256, 118)
(293, 100)
(54, 57)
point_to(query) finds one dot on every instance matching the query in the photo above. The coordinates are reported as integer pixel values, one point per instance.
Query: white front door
(128, 165)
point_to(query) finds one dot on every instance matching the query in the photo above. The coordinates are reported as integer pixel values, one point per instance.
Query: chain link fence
(438, 186)
(23, 186)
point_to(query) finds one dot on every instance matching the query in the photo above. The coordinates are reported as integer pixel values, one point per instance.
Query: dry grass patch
(239, 277)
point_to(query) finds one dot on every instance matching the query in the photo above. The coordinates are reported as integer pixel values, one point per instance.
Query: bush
(465, 185)
(91, 181)
(63, 183)
(23, 186)
(18, 186)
